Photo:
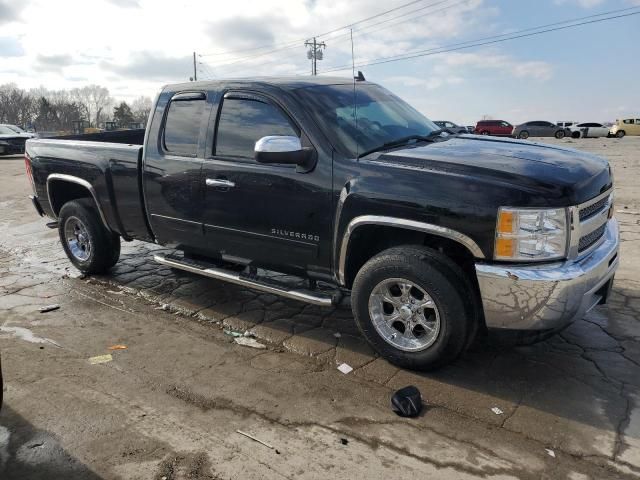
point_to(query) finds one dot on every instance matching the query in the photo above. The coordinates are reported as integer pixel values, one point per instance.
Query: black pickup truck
(434, 236)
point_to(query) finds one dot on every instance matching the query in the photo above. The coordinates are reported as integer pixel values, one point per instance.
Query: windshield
(6, 130)
(379, 117)
(15, 128)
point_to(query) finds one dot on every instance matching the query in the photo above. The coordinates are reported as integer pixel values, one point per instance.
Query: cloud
(53, 63)
(126, 3)
(153, 66)
(10, 47)
(10, 10)
(244, 32)
(537, 70)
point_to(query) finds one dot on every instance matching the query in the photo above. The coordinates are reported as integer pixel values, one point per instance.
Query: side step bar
(307, 296)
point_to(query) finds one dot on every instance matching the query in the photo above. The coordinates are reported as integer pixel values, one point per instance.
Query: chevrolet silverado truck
(347, 188)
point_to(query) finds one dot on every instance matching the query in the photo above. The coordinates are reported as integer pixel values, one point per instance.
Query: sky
(133, 47)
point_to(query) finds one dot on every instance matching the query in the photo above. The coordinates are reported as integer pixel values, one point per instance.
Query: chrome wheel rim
(77, 238)
(404, 314)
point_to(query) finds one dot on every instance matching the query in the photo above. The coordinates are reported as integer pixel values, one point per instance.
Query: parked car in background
(565, 124)
(494, 127)
(471, 128)
(539, 128)
(451, 127)
(12, 142)
(589, 130)
(628, 126)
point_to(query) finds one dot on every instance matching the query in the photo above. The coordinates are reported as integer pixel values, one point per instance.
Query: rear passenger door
(269, 214)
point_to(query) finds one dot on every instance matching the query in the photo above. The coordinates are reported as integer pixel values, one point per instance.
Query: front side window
(505, 124)
(182, 127)
(244, 121)
(357, 122)
(628, 121)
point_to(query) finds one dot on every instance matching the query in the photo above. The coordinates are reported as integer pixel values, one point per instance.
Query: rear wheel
(90, 246)
(413, 305)
(484, 132)
(620, 133)
(523, 135)
(560, 134)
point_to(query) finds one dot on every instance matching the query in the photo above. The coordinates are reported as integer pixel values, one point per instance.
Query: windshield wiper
(402, 141)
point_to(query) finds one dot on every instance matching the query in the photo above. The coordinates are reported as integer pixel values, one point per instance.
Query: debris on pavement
(49, 308)
(233, 333)
(345, 368)
(248, 435)
(407, 402)
(344, 441)
(249, 342)
(117, 347)
(164, 307)
(113, 292)
(550, 452)
(100, 359)
(497, 411)
(337, 335)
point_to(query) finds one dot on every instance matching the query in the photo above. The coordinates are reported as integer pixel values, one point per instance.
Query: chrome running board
(264, 285)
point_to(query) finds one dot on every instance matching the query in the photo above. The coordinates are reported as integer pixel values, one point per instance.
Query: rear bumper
(548, 297)
(36, 205)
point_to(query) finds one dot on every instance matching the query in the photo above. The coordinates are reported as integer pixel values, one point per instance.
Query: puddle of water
(27, 335)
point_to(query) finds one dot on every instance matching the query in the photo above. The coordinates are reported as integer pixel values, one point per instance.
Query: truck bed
(110, 162)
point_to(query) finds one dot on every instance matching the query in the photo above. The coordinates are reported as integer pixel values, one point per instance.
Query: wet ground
(170, 404)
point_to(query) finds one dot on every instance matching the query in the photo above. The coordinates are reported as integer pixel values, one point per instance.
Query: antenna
(353, 75)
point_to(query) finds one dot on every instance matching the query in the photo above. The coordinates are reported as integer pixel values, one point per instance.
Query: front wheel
(414, 306)
(620, 133)
(523, 135)
(90, 246)
(560, 134)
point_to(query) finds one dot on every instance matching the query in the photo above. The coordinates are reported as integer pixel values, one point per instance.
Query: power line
(399, 7)
(363, 29)
(360, 30)
(490, 40)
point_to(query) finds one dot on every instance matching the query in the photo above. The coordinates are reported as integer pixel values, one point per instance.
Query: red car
(494, 127)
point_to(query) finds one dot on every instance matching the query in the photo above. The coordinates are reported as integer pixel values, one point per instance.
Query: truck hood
(539, 168)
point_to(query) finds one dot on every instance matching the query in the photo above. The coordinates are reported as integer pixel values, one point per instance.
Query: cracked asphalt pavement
(169, 405)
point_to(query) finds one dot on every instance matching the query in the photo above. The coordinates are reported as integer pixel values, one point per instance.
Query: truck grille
(593, 223)
(594, 209)
(591, 238)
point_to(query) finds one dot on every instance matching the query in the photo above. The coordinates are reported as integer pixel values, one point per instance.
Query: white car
(588, 129)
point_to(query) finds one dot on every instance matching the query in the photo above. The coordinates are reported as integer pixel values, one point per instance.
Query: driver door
(267, 214)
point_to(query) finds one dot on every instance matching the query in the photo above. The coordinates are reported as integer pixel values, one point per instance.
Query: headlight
(528, 234)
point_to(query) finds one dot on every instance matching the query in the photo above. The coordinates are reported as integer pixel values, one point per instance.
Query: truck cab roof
(286, 82)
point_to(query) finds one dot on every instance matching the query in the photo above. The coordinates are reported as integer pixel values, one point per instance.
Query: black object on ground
(407, 402)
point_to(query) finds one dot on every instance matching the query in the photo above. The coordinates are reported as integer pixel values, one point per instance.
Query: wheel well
(369, 240)
(61, 192)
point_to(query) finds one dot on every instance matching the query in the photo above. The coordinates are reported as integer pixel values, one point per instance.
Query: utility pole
(314, 53)
(195, 69)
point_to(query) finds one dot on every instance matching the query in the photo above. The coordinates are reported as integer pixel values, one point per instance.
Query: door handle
(219, 182)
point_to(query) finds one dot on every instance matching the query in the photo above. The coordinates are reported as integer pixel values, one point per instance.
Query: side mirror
(282, 149)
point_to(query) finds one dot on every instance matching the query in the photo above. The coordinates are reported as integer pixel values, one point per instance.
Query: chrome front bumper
(550, 296)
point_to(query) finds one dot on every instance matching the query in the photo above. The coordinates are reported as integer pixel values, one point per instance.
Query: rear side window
(244, 121)
(182, 126)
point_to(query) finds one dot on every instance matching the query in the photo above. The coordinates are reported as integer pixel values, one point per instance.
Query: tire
(484, 132)
(560, 134)
(620, 133)
(575, 135)
(433, 278)
(523, 135)
(86, 241)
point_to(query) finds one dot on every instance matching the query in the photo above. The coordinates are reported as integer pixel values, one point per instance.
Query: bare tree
(94, 100)
(141, 107)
